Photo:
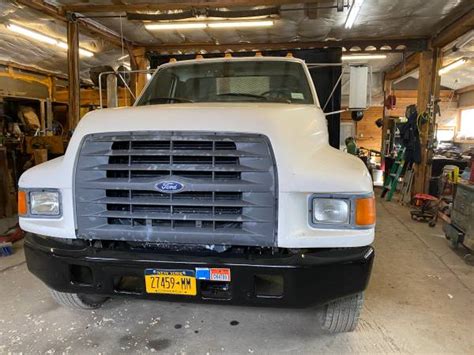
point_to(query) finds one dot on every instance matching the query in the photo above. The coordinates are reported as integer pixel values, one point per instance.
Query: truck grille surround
(227, 196)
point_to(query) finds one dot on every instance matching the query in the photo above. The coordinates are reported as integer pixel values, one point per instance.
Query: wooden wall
(408, 97)
(367, 133)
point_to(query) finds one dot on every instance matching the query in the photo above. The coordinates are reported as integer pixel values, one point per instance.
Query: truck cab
(218, 185)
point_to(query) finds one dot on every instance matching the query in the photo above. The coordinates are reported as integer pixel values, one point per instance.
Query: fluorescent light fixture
(83, 52)
(240, 24)
(175, 26)
(123, 57)
(45, 39)
(31, 34)
(353, 12)
(202, 25)
(453, 65)
(363, 57)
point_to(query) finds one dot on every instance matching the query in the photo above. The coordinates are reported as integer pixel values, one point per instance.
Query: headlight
(342, 211)
(331, 211)
(44, 203)
(37, 203)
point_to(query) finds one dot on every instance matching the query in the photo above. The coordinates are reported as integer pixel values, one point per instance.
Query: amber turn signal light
(365, 211)
(22, 206)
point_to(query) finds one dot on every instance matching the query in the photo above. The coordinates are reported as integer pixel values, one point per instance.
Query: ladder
(390, 185)
(405, 191)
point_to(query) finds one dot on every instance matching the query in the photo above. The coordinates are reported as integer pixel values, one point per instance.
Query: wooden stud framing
(73, 73)
(177, 5)
(140, 63)
(88, 25)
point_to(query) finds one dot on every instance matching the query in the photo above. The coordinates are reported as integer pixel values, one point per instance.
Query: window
(261, 81)
(445, 134)
(466, 124)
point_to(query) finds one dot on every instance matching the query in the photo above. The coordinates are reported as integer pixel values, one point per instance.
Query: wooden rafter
(465, 89)
(87, 25)
(455, 29)
(177, 5)
(412, 44)
(408, 65)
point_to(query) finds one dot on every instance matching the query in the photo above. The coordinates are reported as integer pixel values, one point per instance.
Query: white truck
(218, 185)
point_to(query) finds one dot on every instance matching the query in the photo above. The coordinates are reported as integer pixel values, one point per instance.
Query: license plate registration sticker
(173, 282)
(213, 274)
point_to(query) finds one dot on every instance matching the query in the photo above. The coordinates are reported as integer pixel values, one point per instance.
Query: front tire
(342, 315)
(78, 301)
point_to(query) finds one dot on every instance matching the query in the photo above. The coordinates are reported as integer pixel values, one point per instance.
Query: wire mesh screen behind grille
(228, 196)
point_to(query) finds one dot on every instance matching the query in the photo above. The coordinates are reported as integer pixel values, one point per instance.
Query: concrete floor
(420, 300)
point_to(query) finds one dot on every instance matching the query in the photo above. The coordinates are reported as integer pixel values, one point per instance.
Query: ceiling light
(240, 24)
(451, 66)
(31, 34)
(175, 26)
(353, 12)
(83, 52)
(363, 57)
(45, 39)
(202, 25)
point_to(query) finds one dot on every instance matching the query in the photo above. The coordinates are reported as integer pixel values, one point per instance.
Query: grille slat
(228, 195)
(150, 183)
(176, 216)
(176, 167)
(178, 202)
(220, 235)
(166, 152)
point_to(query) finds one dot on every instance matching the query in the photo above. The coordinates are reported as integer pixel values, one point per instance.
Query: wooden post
(425, 81)
(5, 201)
(40, 155)
(73, 72)
(141, 63)
(435, 93)
(387, 90)
(42, 114)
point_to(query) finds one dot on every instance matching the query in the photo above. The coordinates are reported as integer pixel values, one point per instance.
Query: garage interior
(60, 59)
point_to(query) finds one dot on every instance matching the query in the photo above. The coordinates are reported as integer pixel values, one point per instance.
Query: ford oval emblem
(169, 186)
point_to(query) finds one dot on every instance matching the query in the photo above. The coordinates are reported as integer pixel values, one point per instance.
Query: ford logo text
(169, 186)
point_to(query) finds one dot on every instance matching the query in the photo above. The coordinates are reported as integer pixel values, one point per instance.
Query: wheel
(469, 259)
(78, 301)
(342, 315)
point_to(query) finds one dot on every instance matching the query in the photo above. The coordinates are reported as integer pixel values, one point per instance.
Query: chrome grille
(229, 194)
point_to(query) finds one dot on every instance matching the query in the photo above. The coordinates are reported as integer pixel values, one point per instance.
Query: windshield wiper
(243, 94)
(159, 99)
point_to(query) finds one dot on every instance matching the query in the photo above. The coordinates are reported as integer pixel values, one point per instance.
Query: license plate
(173, 282)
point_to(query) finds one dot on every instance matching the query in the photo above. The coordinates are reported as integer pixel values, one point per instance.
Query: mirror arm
(334, 112)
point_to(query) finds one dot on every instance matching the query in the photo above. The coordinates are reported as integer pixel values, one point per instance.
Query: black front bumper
(282, 279)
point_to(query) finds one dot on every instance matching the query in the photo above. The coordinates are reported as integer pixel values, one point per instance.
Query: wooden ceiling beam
(410, 45)
(456, 29)
(87, 25)
(465, 89)
(177, 5)
(409, 64)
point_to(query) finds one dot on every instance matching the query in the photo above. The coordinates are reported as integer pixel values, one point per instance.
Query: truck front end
(218, 186)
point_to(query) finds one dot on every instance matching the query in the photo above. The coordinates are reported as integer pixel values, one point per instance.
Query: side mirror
(358, 87)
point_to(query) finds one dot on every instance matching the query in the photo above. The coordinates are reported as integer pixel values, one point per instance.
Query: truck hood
(298, 134)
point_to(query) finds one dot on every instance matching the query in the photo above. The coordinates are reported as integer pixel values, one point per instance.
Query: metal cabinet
(461, 229)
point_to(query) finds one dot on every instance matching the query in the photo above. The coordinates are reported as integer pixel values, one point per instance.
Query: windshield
(229, 81)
